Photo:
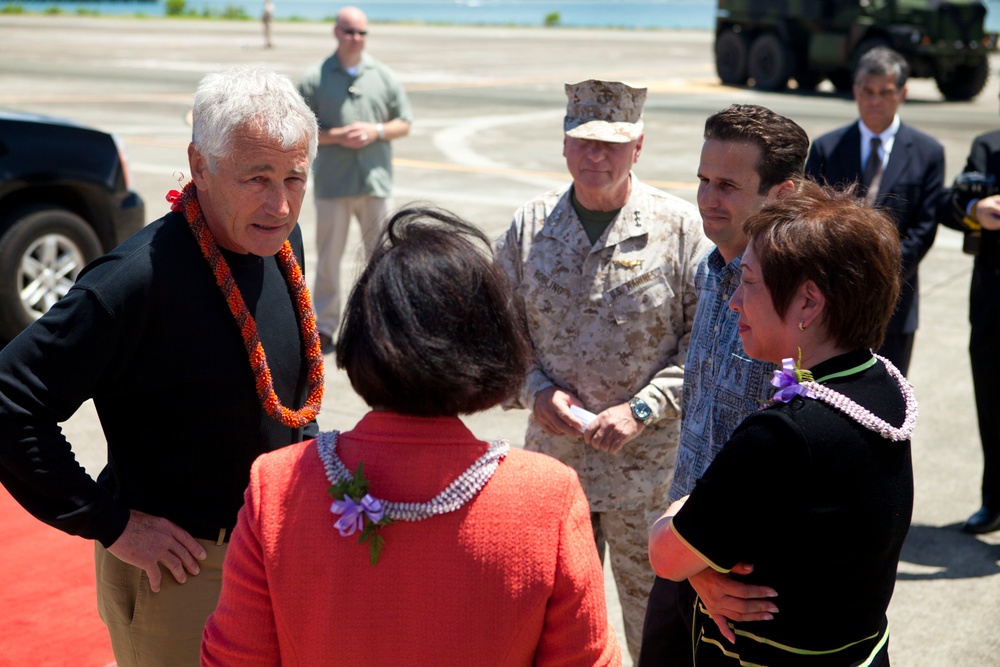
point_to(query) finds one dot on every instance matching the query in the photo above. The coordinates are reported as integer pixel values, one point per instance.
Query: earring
(802, 325)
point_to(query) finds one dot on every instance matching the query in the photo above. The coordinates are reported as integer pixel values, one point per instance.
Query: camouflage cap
(604, 111)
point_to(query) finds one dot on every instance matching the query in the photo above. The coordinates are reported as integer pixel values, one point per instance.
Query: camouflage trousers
(626, 533)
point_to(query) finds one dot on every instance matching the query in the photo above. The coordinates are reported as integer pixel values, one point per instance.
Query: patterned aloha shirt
(721, 384)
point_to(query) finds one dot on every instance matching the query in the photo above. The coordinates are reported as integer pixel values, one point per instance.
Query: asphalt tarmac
(488, 103)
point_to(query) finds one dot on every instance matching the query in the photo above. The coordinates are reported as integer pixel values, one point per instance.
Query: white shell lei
(864, 416)
(463, 489)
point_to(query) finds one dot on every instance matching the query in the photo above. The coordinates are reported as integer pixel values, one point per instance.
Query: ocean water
(643, 14)
(692, 14)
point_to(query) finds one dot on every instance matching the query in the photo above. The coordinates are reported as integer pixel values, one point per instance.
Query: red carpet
(47, 601)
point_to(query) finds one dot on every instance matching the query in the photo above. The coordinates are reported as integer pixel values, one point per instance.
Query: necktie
(872, 176)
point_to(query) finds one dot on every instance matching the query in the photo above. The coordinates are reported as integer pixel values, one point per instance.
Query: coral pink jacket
(512, 578)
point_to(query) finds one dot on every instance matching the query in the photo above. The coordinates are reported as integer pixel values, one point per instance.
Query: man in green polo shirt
(361, 108)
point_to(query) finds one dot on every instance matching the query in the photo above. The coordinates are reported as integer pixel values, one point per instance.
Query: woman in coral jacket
(406, 540)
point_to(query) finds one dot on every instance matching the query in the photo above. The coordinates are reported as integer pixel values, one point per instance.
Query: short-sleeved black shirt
(820, 506)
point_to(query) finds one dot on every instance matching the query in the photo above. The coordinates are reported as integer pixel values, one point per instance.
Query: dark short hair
(850, 250)
(883, 61)
(783, 144)
(432, 327)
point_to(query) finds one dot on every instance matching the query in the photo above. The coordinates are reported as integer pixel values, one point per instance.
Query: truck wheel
(42, 251)
(731, 58)
(770, 63)
(965, 81)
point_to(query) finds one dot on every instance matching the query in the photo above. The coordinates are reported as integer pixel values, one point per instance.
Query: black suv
(64, 201)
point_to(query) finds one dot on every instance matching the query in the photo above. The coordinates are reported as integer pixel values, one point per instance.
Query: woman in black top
(813, 494)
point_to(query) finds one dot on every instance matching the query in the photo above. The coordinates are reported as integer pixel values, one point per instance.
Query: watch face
(640, 410)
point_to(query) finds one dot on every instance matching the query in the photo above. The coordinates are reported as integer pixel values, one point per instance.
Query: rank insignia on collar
(628, 263)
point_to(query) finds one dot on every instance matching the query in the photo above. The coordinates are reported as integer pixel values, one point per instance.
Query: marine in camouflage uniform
(609, 322)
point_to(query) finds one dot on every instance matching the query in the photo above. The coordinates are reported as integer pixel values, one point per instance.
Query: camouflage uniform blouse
(609, 322)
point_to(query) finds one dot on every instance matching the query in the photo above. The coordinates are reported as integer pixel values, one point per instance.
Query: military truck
(769, 42)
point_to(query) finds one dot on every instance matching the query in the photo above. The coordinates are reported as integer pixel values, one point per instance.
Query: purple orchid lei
(788, 380)
(360, 511)
(791, 380)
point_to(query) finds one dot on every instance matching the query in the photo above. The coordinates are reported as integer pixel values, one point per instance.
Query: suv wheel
(42, 251)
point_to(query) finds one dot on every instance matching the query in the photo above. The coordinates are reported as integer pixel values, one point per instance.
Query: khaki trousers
(156, 629)
(333, 219)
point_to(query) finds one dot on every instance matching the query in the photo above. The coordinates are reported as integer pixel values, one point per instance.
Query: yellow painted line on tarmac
(501, 171)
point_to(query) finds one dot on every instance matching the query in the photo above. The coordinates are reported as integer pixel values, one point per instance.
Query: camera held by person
(968, 189)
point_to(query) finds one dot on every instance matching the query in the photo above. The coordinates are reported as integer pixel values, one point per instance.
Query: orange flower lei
(187, 202)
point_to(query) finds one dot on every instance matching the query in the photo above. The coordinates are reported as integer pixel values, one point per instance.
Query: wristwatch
(380, 130)
(640, 411)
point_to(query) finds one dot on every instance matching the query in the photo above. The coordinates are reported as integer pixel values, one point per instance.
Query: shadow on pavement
(949, 552)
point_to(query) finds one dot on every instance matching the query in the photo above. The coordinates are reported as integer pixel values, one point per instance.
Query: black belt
(210, 533)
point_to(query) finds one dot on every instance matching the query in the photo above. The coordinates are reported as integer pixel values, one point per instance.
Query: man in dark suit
(897, 167)
(970, 207)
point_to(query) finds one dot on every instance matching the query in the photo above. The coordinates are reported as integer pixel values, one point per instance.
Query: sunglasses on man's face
(352, 32)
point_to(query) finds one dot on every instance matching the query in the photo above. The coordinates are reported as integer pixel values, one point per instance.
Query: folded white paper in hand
(585, 416)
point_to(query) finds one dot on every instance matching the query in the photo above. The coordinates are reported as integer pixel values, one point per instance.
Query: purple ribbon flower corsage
(354, 504)
(353, 513)
(788, 381)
